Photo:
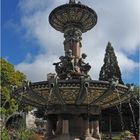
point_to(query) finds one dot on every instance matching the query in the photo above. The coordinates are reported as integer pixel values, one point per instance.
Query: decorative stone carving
(66, 68)
(114, 82)
(74, 14)
(84, 67)
(51, 76)
(72, 34)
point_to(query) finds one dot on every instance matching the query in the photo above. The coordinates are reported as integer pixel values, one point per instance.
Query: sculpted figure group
(67, 68)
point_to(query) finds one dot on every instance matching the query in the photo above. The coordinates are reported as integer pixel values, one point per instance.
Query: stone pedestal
(49, 131)
(96, 133)
(75, 47)
(58, 126)
(91, 129)
(65, 127)
(86, 132)
(73, 125)
(76, 125)
(73, 41)
(86, 129)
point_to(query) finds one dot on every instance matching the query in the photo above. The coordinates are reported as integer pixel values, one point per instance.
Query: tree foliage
(9, 77)
(20, 134)
(110, 67)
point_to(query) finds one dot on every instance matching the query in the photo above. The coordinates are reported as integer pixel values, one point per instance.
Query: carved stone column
(73, 41)
(91, 129)
(85, 133)
(96, 133)
(65, 127)
(51, 127)
(59, 126)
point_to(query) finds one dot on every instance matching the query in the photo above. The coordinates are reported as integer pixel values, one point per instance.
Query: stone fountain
(72, 100)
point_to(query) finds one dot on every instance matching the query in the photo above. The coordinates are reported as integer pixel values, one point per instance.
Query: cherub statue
(70, 61)
(60, 66)
(84, 67)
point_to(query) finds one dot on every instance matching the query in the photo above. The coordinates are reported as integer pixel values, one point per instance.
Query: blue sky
(13, 41)
(32, 45)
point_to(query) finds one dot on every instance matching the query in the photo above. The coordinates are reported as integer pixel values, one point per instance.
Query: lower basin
(75, 92)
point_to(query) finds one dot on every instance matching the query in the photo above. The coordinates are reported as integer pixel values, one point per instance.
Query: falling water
(88, 107)
(138, 102)
(49, 97)
(119, 100)
(133, 115)
(119, 108)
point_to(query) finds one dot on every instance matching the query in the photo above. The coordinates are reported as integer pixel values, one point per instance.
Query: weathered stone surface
(90, 138)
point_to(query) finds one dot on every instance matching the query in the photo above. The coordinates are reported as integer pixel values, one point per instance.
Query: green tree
(110, 67)
(9, 77)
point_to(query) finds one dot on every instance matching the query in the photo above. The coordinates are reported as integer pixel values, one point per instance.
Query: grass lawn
(115, 136)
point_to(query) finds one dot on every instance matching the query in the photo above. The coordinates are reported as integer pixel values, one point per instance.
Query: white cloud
(118, 22)
(127, 65)
(39, 69)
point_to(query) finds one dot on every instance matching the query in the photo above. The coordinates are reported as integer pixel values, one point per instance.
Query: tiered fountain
(72, 100)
